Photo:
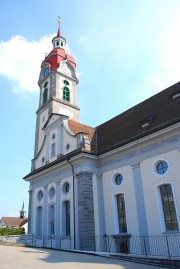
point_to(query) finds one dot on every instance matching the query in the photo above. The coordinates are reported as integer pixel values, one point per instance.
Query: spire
(59, 31)
(22, 212)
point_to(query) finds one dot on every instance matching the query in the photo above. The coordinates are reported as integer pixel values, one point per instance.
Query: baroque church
(119, 180)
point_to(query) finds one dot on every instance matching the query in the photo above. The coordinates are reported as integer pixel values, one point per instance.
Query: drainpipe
(73, 201)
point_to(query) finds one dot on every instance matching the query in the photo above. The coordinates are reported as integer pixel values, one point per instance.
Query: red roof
(77, 127)
(13, 221)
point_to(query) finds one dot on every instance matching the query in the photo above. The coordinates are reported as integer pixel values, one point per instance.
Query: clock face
(65, 69)
(46, 72)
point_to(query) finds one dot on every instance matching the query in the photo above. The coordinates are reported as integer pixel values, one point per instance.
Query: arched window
(45, 95)
(66, 218)
(39, 222)
(168, 205)
(66, 94)
(51, 220)
(66, 82)
(53, 150)
(121, 213)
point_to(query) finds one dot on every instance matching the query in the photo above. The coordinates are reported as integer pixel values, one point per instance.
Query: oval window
(66, 187)
(161, 167)
(51, 192)
(118, 179)
(40, 195)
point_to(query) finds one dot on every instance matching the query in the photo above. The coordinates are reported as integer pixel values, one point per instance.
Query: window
(51, 192)
(39, 222)
(45, 95)
(66, 187)
(121, 213)
(162, 167)
(66, 94)
(118, 179)
(66, 82)
(57, 43)
(53, 150)
(61, 44)
(51, 219)
(169, 210)
(45, 84)
(40, 196)
(67, 217)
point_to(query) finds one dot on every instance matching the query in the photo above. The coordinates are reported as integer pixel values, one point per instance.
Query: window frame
(53, 150)
(45, 95)
(163, 214)
(51, 219)
(67, 218)
(164, 167)
(121, 214)
(66, 94)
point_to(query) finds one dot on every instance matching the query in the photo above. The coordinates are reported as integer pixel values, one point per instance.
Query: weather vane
(59, 20)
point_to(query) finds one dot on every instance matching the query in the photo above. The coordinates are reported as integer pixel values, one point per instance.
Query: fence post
(108, 247)
(167, 246)
(144, 240)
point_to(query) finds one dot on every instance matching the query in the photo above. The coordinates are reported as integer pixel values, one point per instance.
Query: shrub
(11, 231)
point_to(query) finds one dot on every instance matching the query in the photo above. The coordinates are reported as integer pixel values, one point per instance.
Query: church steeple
(22, 212)
(59, 41)
(57, 83)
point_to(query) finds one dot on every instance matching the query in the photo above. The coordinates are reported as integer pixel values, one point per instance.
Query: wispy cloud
(21, 60)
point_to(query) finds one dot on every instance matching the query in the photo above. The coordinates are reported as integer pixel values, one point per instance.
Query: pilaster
(30, 211)
(57, 214)
(45, 211)
(140, 202)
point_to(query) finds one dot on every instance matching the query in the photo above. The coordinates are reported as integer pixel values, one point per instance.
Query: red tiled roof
(13, 221)
(77, 127)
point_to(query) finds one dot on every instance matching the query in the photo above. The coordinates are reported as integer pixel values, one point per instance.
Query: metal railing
(162, 246)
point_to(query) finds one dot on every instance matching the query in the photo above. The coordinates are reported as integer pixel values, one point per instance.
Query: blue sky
(126, 51)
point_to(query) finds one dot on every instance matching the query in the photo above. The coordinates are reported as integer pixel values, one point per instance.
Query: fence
(163, 246)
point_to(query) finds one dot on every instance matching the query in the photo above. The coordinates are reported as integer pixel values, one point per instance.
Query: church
(101, 188)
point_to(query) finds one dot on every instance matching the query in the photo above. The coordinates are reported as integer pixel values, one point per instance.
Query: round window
(118, 179)
(51, 192)
(162, 167)
(40, 195)
(66, 187)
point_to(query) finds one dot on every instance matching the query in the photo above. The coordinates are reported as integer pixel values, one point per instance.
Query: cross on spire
(59, 22)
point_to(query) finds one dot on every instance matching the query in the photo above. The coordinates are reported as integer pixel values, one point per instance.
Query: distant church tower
(57, 83)
(22, 212)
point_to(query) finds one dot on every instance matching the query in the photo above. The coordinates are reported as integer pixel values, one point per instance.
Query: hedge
(11, 231)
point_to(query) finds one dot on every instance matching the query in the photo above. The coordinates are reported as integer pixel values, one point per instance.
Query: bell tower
(57, 83)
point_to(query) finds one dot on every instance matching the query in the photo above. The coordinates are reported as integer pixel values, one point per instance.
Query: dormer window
(176, 95)
(145, 124)
(147, 121)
